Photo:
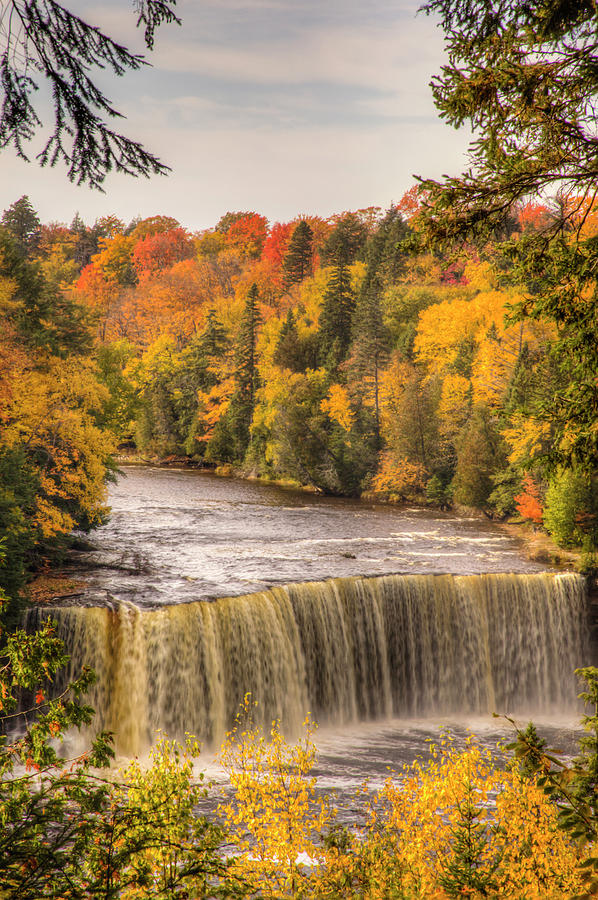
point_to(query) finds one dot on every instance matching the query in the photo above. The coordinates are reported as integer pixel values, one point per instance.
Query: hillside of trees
(336, 353)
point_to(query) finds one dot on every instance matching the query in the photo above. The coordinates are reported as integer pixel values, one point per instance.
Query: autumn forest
(339, 354)
(436, 356)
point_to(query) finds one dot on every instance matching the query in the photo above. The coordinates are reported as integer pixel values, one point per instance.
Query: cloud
(369, 55)
(283, 106)
(273, 62)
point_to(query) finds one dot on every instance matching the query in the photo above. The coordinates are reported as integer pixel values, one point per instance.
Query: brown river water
(388, 624)
(190, 535)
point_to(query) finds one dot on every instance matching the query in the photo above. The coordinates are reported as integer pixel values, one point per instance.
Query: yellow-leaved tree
(171, 850)
(275, 818)
(51, 417)
(458, 825)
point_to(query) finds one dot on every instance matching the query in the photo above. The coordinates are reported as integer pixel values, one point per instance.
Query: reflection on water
(189, 535)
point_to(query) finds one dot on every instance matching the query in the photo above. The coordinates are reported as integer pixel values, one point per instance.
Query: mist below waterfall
(345, 650)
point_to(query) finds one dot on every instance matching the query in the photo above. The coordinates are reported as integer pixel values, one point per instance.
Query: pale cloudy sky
(278, 106)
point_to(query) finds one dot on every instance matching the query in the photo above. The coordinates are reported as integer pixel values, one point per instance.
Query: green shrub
(567, 502)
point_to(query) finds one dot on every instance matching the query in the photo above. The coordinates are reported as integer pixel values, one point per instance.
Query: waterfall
(346, 649)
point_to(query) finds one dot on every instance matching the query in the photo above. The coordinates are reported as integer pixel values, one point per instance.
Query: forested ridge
(340, 353)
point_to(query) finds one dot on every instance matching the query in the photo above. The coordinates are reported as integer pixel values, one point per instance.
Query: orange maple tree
(248, 235)
(162, 250)
(276, 244)
(528, 501)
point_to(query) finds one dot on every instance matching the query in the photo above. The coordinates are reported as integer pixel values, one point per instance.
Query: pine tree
(23, 223)
(286, 351)
(246, 375)
(572, 786)
(370, 336)
(86, 242)
(346, 242)
(336, 318)
(213, 338)
(467, 872)
(342, 248)
(42, 316)
(298, 261)
(391, 235)
(370, 350)
(204, 353)
(294, 351)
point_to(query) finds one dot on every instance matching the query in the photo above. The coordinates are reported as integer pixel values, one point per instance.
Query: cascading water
(346, 649)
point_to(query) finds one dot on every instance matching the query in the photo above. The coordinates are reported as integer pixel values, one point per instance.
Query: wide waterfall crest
(346, 649)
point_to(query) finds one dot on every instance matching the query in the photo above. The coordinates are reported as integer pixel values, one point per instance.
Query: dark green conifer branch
(45, 43)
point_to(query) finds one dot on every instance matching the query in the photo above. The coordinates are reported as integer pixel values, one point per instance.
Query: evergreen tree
(45, 41)
(572, 786)
(200, 371)
(370, 335)
(43, 317)
(346, 242)
(246, 375)
(23, 223)
(298, 261)
(390, 237)
(370, 350)
(342, 248)
(294, 351)
(287, 346)
(336, 317)
(210, 346)
(468, 872)
(86, 241)
(480, 455)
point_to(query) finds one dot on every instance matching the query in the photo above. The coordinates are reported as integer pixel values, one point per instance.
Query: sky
(283, 107)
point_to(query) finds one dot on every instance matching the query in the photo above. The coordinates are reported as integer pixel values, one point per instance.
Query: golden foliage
(275, 818)
(409, 847)
(52, 415)
(337, 406)
(455, 404)
(398, 477)
(527, 438)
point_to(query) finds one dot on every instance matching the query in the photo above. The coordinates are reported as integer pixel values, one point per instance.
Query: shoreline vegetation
(340, 356)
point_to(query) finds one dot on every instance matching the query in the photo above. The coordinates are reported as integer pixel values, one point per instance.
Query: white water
(346, 650)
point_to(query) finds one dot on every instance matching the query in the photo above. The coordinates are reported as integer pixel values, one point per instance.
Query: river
(190, 535)
(387, 623)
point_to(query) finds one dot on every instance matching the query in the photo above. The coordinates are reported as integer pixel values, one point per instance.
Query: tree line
(344, 354)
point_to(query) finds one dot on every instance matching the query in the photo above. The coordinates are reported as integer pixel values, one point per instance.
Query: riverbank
(48, 587)
(539, 546)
